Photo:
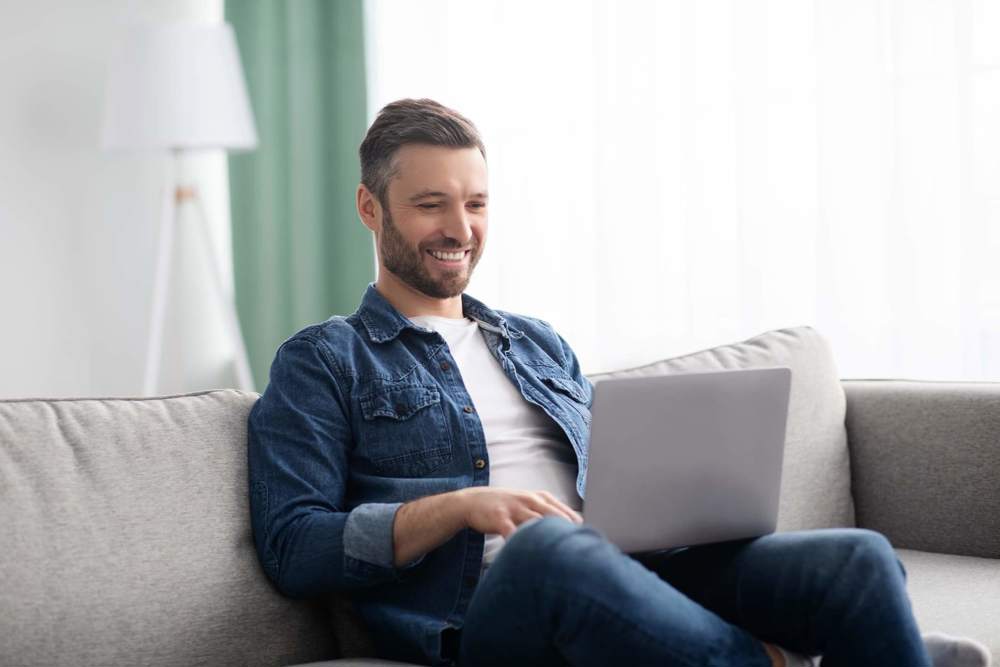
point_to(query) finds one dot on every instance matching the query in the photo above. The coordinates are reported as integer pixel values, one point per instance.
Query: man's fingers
(526, 515)
(522, 506)
(557, 508)
(565, 512)
(572, 514)
(507, 527)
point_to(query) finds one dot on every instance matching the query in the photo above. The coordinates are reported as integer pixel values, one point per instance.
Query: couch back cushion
(815, 478)
(127, 538)
(926, 465)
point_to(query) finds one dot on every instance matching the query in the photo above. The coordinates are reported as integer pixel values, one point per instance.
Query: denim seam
(271, 563)
(466, 534)
(436, 452)
(336, 376)
(324, 351)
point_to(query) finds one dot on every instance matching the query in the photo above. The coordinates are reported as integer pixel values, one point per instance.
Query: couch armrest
(925, 463)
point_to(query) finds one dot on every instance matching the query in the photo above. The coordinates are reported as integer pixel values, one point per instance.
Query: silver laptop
(687, 458)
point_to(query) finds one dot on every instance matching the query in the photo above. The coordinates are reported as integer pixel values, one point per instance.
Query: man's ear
(369, 209)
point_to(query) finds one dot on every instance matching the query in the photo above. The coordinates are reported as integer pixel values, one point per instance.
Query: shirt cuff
(368, 538)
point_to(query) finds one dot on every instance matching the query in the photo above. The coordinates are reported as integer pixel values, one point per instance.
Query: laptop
(687, 458)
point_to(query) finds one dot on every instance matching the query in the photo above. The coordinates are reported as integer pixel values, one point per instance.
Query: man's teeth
(450, 256)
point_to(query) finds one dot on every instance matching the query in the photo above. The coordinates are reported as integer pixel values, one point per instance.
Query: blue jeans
(561, 594)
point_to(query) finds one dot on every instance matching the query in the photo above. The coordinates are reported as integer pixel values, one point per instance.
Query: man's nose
(458, 225)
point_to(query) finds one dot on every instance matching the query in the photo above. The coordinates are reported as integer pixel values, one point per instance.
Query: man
(427, 455)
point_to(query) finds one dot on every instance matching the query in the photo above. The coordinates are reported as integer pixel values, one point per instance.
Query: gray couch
(126, 537)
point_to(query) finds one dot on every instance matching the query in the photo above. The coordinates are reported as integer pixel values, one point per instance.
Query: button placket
(478, 463)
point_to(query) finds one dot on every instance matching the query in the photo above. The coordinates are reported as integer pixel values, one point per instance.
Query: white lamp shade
(177, 85)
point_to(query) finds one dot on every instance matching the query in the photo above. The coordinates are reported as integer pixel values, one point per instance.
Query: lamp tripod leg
(244, 378)
(161, 283)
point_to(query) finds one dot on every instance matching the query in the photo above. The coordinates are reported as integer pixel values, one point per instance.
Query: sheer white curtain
(669, 176)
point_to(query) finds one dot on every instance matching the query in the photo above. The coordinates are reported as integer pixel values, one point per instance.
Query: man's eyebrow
(424, 194)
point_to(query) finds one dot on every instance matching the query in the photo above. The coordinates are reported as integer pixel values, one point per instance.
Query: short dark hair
(410, 121)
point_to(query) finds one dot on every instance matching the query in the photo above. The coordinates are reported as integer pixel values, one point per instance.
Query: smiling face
(433, 232)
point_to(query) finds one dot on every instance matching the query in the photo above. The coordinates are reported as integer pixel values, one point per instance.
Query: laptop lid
(686, 458)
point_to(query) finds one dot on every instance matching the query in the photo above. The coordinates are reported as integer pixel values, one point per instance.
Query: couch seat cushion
(957, 595)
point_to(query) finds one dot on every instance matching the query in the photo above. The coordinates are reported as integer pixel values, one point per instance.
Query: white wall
(78, 227)
(671, 175)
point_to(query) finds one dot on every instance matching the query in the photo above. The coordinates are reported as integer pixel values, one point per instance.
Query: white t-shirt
(527, 449)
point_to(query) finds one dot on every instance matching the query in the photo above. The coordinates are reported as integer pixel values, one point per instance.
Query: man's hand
(426, 523)
(501, 511)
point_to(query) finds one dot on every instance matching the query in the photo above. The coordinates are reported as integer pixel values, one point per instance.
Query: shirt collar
(384, 322)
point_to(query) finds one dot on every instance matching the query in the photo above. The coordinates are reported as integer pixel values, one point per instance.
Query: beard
(409, 266)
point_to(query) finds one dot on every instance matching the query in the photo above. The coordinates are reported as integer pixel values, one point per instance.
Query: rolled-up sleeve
(299, 442)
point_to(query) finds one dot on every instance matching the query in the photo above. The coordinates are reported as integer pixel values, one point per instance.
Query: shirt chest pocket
(404, 429)
(566, 390)
(565, 385)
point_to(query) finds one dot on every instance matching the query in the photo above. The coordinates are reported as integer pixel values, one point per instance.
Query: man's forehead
(423, 171)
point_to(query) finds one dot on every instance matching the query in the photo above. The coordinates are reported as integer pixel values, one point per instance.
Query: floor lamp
(179, 87)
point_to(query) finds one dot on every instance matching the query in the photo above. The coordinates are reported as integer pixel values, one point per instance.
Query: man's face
(436, 202)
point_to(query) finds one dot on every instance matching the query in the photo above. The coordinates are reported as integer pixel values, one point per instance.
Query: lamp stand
(177, 193)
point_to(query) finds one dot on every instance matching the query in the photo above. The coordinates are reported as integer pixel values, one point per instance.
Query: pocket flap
(566, 386)
(398, 402)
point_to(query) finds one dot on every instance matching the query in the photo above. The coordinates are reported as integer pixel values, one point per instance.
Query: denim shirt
(366, 412)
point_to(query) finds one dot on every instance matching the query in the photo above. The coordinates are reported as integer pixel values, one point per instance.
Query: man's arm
(425, 524)
(299, 439)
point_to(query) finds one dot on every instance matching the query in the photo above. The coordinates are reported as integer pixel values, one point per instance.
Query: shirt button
(467, 409)
(400, 407)
(445, 365)
(480, 464)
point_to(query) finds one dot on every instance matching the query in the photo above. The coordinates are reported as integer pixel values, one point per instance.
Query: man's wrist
(460, 507)
(425, 523)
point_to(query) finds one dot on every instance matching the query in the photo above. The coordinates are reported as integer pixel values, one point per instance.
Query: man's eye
(428, 205)
(478, 204)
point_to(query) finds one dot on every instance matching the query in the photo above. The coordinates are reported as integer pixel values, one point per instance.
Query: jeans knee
(547, 544)
(541, 533)
(871, 550)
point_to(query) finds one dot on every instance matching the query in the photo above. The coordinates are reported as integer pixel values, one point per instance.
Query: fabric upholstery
(127, 538)
(957, 595)
(356, 662)
(926, 463)
(815, 479)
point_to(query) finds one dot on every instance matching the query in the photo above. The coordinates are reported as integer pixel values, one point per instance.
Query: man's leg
(560, 593)
(839, 592)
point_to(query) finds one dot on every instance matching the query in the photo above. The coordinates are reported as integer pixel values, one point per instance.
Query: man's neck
(411, 303)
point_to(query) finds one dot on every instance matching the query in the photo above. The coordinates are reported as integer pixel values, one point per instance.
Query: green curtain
(300, 252)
